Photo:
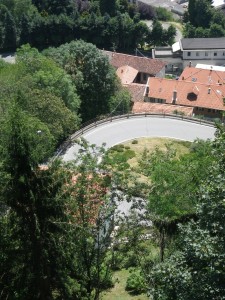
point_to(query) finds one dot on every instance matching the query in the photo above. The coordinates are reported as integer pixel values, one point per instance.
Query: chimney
(174, 99)
(209, 90)
(189, 63)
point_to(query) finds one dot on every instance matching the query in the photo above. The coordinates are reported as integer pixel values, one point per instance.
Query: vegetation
(95, 79)
(53, 218)
(196, 268)
(202, 20)
(42, 24)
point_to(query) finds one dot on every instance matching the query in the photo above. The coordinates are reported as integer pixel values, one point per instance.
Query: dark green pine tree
(191, 11)
(35, 258)
(9, 42)
(25, 30)
(108, 7)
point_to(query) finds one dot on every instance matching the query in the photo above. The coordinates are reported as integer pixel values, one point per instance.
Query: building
(191, 51)
(198, 92)
(135, 69)
(200, 50)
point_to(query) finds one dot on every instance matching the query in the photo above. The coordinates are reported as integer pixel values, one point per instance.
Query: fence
(107, 119)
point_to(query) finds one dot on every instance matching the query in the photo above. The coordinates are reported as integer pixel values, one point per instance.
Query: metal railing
(110, 118)
(96, 122)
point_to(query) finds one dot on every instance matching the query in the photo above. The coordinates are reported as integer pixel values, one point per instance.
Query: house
(191, 51)
(196, 92)
(200, 50)
(135, 69)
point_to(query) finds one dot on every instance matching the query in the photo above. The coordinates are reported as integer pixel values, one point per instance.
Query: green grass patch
(118, 292)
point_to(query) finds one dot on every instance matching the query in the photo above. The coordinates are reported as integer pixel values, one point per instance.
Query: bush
(135, 283)
(146, 11)
(134, 142)
(163, 14)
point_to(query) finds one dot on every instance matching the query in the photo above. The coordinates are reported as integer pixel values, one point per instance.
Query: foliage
(161, 37)
(147, 12)
(7, 29)
(92, 74)
(43, 211)
(34, 261)
(202, 20)
(43, 90)
(163, 14)
(52, 23)
(196, 270)
(135, 283)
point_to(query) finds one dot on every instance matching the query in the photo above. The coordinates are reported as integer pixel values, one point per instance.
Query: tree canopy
(195, 269)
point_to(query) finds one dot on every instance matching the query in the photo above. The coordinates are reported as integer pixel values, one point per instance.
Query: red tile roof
(142, 64)
(189, 93)
(126, 74)
(146, 107)
(202, 75)
(137, 91)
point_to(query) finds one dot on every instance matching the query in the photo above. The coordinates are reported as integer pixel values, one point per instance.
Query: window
(209, 110)
(206, 54)
(215, 53)
(189, 53)
(197, 53)
(144, 77)
(223, 53)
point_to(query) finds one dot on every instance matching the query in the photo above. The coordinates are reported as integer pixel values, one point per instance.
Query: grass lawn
(150, 144)
(118, 291)
(132, 152)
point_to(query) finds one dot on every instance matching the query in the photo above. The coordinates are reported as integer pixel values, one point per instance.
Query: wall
(205, 55)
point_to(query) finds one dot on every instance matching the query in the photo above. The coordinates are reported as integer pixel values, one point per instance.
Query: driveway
(122, 130)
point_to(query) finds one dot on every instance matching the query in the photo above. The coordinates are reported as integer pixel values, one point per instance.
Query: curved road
(127, 129)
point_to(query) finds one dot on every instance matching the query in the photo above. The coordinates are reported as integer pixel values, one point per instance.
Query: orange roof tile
(202, 75)
(142, 64)
(189, 93)
(137, 91)
(146, 107)
(126, 74)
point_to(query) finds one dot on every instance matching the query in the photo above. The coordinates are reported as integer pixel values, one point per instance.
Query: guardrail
(108, 119)
(96, 123)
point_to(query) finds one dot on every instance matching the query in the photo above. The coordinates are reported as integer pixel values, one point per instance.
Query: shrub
(146, 11)
(135, 283)
(163, 14)
(134, 142)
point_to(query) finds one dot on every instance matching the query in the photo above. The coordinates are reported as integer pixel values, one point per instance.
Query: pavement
(171, 5)
(8, 57)
(122, 130)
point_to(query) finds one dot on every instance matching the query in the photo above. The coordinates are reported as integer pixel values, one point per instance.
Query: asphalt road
(127, 129)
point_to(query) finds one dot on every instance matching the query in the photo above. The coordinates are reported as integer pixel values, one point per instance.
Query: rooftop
(188, 93)
(137, 91)
(126, 74)
(146, 107)
(203, 43)
(206, 76)
(142, 64)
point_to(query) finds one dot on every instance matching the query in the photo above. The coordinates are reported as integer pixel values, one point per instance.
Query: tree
(174, 184)
(156, 34)
(34, 261)
(169, 35)
(94, 78)
(196, 269)
(9, 29)
(200, 13)
(92, 212)
(107, 7)
(46, 92)
(216, 30)
(55, 220)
